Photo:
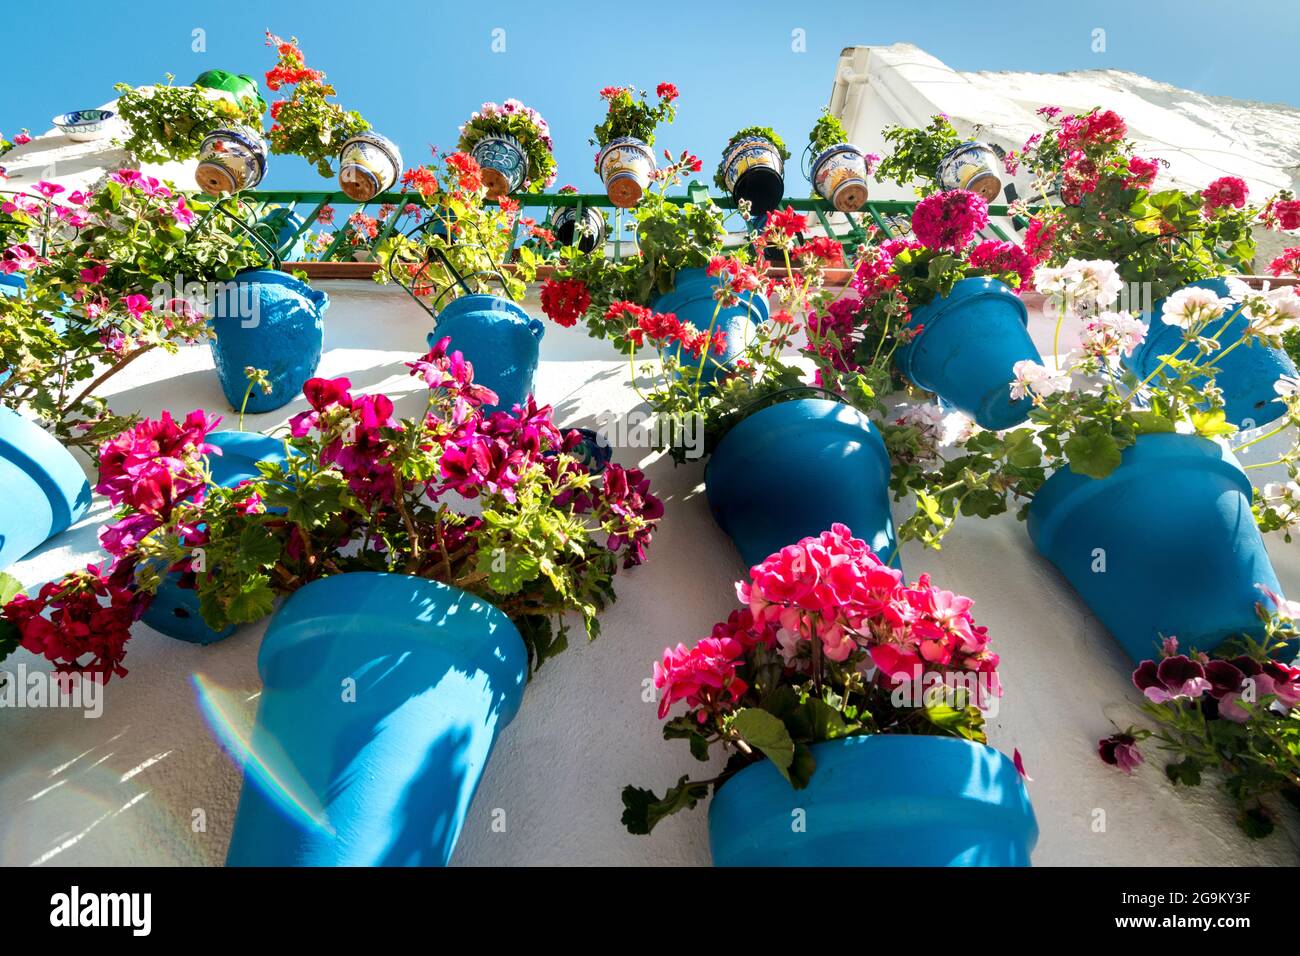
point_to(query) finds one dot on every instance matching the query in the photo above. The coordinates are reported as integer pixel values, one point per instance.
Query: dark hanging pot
(794, 469)
(1246, 375)
(966, 352)
(382, 698)
(1164, 546)
(881, 800)
(564, 225)
(269, 320)
(753, 170)
(44, 488)
(174, 610)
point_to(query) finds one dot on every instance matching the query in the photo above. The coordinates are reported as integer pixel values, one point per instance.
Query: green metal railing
(852, 232)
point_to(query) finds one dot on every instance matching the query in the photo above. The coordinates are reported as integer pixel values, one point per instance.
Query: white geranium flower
(1081, 286)
(1038, 380)
(1282, 491)
(1193, 307)
(1237, 289)
(1288, 386)
(1111, 332)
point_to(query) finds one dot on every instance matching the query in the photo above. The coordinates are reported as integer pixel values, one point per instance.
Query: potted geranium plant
(936, 157)
(512, 144)
(752, 169)
(93, 302)
(1163, 240)
(452, 264)
(838, 700)
(956, 298)
(309, 124)
(169, 123)
(1233, 716)
(839, 170)
(435, 612)
(1125, 482)
(625, 161)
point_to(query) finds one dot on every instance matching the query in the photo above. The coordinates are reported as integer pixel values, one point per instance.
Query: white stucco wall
(122, 789)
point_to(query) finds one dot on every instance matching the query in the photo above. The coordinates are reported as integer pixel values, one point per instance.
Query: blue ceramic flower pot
(42, 487)
(970, 341)
(12, 284)
(174, 610)
(1246, 375)
(504, 164)
(382, 697)
(1163, 546)
(269, 320)
(878, 801)
(499, 338)
(692, 301)
(793, 470)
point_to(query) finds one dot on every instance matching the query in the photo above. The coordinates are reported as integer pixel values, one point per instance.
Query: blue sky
(420, 68)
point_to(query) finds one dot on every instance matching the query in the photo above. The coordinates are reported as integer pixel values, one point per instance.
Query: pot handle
(537, 327)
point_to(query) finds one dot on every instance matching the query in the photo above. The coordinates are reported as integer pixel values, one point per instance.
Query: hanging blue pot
(174, 610)
(1163, 546)
(42, 487)
(269, 320)
(879, 800)
(1246, 375)
(793, 470)
(382, 697)
(970, 341)
(499, 338)
(692, 301)
(12, 284)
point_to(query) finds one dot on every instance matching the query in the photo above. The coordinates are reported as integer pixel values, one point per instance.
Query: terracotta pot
(231, 159)
(839, 174)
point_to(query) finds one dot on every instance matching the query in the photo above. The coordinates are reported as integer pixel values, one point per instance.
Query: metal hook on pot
(47, 239)
(431, 253)
(220, 207)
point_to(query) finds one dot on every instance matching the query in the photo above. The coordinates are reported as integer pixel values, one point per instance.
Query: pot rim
(830, 151)
(379, 141)
(855, 417)
(992, 288)
(1065, 490)
(484, 301)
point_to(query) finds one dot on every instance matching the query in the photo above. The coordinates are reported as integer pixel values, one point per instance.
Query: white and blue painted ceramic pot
(591, 236)
(839, 174)
(753, 170)
(83, 126)
(369, 164)
(504, 164)
(625, 166)
(231, 159)
(971, 166)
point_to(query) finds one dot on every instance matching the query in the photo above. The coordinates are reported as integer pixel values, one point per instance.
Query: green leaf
(766, 733)
(9, 587)
(1186, 772)
(1212, 423)
(801, 770)
(1092, 452)
(1150, 423)
(642, 809)
(258, 548)
(253, 603)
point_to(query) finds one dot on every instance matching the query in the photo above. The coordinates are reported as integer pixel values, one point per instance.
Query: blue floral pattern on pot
(44, 488)
(625, 166)
(268, 320)
(970, 166)
(230, 159)
(753, 170)
(368, 165)
(505, 166)
(839, 174)
(83, 126)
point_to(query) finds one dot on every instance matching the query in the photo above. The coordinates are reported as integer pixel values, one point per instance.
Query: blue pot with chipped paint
(500, 340)
(691, 300)
(382, 698)
(43, 489)
(1164, 546)
(1246, 374)
(269, 320)
(831, 453)
(174, 610)
(878, 800)
(966, 352)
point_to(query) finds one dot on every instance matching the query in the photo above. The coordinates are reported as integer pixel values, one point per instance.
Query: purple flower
(1120, 750)
(1172, 678)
